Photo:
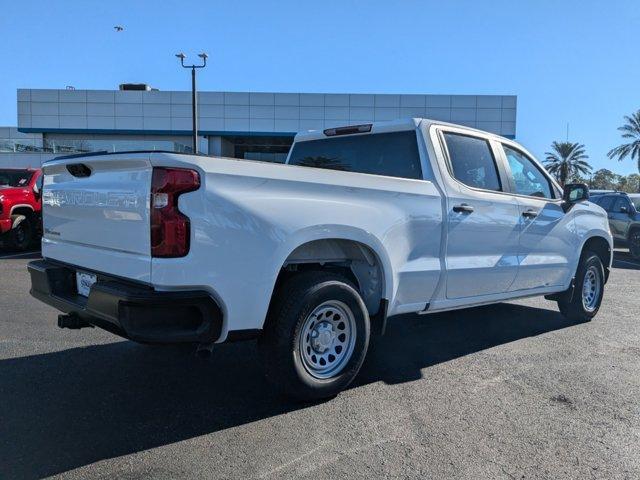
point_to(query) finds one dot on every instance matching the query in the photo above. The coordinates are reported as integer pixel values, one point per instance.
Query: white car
(311, 257)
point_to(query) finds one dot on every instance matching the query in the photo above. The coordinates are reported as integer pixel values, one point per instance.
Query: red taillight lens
(169, 227)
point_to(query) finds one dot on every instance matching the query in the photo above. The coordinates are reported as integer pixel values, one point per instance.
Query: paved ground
(506, 391)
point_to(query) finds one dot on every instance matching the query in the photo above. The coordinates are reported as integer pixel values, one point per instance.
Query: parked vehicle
(594, 192)
(624, 219)
(20, 207)
(635, 199)
(311, 257)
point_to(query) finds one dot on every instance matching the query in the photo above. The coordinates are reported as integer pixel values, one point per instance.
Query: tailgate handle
(79, 170)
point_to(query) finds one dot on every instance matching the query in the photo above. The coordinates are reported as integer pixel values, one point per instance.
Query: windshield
(15, 178)
(636, 202)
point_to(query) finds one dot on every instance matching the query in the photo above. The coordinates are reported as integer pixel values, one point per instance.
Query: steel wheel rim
(327, 339)
(591, 289)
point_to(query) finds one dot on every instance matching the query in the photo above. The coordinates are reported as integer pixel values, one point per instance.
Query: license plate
(84, 281)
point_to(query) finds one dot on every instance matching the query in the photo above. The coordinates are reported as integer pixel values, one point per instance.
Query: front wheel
(21, 235)
(588, 291)
(316, 336)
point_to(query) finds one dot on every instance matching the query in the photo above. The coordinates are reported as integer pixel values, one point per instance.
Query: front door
(546, 245)
(483, 220)
(619, 219)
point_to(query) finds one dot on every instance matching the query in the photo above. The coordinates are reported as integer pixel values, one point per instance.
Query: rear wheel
(634, 243)
(588, 291)
(316, 336)
(21, 235)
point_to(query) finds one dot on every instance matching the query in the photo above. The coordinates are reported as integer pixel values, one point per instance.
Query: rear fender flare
(341, 232)
(21, 205)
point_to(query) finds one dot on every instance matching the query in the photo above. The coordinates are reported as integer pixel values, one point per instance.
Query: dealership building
(247, 125)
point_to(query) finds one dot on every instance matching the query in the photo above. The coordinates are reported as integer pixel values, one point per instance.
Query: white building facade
(249, 125)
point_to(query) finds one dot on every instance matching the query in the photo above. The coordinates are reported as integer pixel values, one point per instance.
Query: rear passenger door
(482, 218)
(546, 239)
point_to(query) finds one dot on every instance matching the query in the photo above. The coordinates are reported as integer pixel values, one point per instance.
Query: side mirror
(574, 193)
(624, 210)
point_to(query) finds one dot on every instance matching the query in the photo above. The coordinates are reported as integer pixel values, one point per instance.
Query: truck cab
(20, 207)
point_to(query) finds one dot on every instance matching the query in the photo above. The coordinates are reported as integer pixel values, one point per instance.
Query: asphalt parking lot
(505, 391)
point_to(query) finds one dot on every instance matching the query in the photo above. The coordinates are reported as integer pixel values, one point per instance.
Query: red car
(20, 207)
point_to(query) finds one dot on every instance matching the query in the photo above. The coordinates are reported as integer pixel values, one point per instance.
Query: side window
(619, 203)
(605, 202)
(472, 162)
(527, 177)
(393, 154)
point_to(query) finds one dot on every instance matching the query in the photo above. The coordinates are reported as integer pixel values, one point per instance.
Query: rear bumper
(132, 310)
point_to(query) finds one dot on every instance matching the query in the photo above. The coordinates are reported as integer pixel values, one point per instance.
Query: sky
(569, 62)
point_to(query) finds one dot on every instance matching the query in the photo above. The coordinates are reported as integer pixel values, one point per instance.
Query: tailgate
(96, 213)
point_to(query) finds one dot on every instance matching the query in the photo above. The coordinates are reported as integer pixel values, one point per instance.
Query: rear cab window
(393, 154)
(15, 178)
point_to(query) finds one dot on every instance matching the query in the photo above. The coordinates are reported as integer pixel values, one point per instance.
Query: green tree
(630, 183)
(567, 161)
(630, 131)
(604, 179)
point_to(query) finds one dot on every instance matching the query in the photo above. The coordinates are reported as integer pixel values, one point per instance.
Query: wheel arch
(602, 247)
(22, 209)
(634, 227)
(356, 254)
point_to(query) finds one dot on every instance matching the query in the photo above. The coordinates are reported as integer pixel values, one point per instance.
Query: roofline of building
(185, 133)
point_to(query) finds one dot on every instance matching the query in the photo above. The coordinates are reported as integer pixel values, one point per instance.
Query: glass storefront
(30, 145)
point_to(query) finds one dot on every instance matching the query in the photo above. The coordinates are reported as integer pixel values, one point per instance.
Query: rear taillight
(169, 227)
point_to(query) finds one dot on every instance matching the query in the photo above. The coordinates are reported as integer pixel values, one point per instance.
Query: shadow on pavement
(67, 409)
(7, 253)
(625, 261)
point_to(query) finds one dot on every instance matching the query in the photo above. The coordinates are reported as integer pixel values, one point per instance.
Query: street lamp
(194, 102)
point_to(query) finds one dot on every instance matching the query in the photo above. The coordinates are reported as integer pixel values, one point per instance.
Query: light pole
(194, 102)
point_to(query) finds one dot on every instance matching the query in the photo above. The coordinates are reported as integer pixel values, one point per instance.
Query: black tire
(574, 308)
(22, 233)
(282, 340)
(634, 243)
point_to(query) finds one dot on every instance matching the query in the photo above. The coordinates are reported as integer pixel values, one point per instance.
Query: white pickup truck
(312, 256)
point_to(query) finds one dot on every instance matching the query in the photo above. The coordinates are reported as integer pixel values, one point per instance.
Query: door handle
(463, 208)
(531, 213)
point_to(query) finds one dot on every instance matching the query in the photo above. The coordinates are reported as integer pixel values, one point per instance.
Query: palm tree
(629, 130)
(567, 160)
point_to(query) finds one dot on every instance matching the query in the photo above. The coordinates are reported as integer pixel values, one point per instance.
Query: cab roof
(381, 127)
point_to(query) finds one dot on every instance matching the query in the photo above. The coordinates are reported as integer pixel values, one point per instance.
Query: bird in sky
(118, 28)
